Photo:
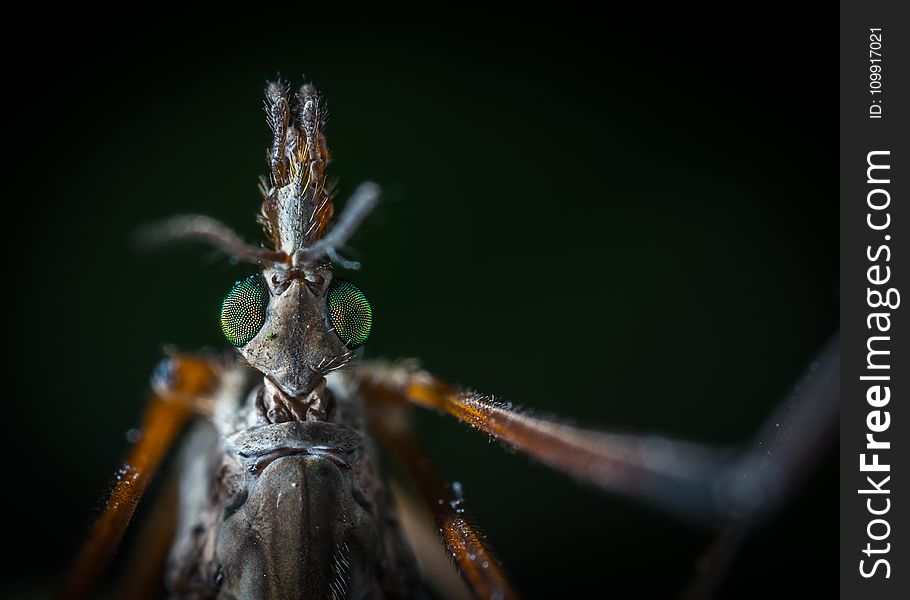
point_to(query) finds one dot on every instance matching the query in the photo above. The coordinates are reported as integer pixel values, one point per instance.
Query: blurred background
(626, 220)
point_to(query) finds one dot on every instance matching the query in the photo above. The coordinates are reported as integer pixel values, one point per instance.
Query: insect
(280, 493)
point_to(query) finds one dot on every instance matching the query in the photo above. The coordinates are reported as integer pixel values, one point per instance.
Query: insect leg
(792, 439)
(143, 572)
(422, 534)
(180, 388)
(694, 482)
(675, 476)
(467, 547)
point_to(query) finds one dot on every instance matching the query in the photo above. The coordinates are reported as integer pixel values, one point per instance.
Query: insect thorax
(294, 509)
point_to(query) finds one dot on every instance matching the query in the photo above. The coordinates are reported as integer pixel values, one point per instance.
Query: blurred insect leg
(181, 386)
(792, 439)
(473, 557)
(789, 443)
(143, 575)
(423, 536)
(673, 475)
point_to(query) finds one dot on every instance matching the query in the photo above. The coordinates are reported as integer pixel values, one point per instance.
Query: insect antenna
(199, 228)
(361, 204)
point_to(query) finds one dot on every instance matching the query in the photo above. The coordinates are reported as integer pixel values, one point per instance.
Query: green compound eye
(350, 313)
(243, 310)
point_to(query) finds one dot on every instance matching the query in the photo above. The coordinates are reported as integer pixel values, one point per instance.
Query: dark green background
(628, 221)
